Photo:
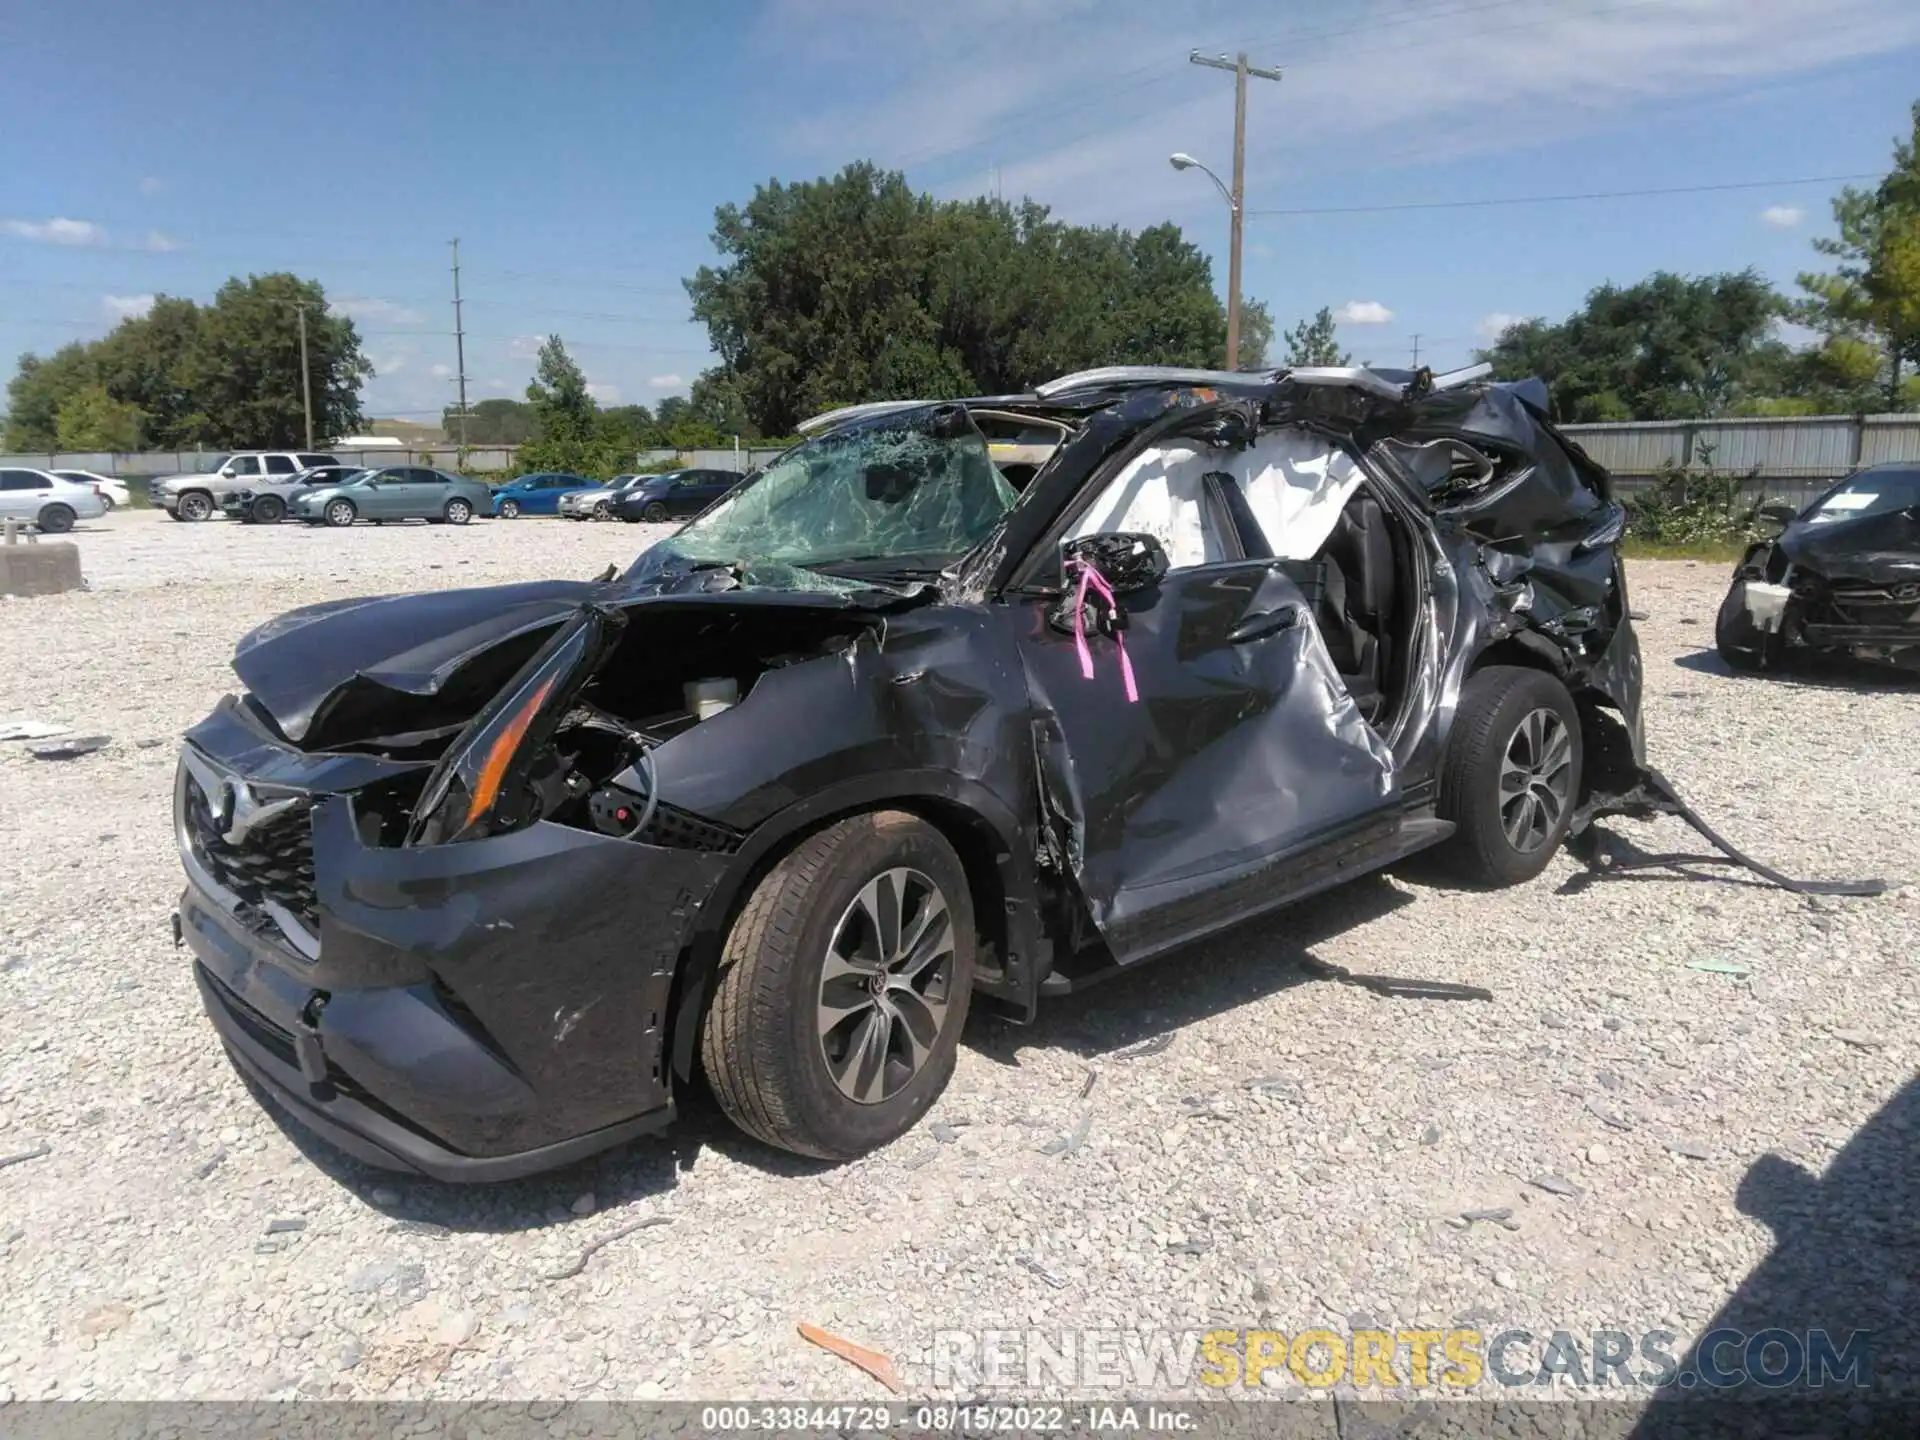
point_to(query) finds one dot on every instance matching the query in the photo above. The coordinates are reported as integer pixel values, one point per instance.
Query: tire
(654, 513)
(458, 511)
(269, 510)
(195, 505)
(603, 511)
(55, 519)
(1506, 833)
(771, 1067)
(340, 514)
(508, 510)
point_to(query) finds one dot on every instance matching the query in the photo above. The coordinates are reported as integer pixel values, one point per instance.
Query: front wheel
(55, 519)
(1511, 774)
(269, 510)
(654, 513)
(603, 511)
(842, 990)
(458, 512)
(508, 510)
(340, 513)
(195, 505)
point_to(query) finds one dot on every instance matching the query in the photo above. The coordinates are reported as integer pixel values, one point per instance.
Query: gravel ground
(175, 1242)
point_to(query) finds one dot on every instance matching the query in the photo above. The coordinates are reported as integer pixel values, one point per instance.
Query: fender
(1013, 846)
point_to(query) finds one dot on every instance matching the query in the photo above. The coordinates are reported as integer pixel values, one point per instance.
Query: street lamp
(1180, 160)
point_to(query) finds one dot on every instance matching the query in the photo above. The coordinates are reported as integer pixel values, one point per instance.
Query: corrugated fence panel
(1802, 447)
(1631, 449)
(1890, 437)
(1815, 445)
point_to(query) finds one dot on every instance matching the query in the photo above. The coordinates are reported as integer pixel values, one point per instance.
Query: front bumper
(470, 1012)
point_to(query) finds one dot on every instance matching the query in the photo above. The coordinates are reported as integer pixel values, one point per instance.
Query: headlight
(480, 785)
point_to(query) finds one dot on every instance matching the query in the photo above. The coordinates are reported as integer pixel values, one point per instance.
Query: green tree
(1256, 335)
(1312, 342)
(144, 362)
(1671, 347)
(37, 391)
(91, 419)
(1873, 293)
(243, 370)
(569, 432)
(855, 287)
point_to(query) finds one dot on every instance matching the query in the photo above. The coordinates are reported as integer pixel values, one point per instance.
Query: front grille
(273, 862)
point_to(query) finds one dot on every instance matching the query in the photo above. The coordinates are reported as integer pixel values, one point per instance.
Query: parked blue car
(536, 494)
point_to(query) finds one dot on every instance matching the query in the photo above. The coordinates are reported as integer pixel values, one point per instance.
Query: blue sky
(578, 152)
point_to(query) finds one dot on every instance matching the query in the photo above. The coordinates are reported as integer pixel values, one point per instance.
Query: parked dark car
(267, 501)
(536, 494)
(1841, 579)
(477, 879)
(675, 495)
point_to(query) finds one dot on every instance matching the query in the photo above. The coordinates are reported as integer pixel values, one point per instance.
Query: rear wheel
(55, 519)
(195, 505)
(842, 990)
(655, 512)
(269, 510)
(458, 511)
(603, 510)
(340, 513)
(1511, 774)
(508, 510)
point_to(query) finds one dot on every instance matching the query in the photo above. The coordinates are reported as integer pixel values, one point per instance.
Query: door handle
(1263, 623)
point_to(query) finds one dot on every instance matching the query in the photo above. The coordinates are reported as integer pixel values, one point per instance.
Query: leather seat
(1358, 610)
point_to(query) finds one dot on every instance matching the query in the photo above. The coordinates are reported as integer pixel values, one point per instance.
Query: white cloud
(1491, 326)
(371, 307)
(525, 347)
(664, 382)
(387, 366)
(606, 394)
(154, 240)
(151, 185)
(1782, 217)
(1363, 312)
(57, 231)
(1083, 113)
(126, 307)
(441, 372)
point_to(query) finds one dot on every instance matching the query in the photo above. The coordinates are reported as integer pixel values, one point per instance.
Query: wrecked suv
(479, 880)
(1841, 579)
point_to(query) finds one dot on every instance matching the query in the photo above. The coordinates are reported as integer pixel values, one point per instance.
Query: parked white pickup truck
(197, 496)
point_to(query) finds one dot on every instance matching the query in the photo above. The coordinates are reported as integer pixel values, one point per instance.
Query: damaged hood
(1878, 550)
(348, 670)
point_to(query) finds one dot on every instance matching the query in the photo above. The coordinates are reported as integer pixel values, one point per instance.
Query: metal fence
(1788, 458)
(152, 464)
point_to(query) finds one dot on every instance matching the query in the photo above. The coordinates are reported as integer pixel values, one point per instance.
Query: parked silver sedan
(47, 501)
(597, 503)
(395, 492)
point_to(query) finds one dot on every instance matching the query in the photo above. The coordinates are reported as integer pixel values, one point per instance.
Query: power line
(1488, 202)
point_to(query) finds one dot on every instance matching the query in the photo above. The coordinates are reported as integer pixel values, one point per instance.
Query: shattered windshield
(917, 488)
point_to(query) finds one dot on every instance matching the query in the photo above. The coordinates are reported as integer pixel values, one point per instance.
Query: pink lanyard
(1091, 577)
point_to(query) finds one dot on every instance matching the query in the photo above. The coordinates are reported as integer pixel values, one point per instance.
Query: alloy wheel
(885, 985)
(509, 509)
(1536, 780)
(195, 506)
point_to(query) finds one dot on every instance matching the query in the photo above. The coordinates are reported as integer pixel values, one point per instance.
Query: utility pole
(1241, 70)
(1416, 349)
(306, 374)
(459, 346)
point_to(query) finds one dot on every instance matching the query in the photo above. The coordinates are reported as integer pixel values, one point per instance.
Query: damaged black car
(480, 880)
(1841, 579)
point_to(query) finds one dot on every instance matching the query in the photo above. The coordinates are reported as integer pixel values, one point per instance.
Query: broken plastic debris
(1554, 1185)
(30, 729)
(34, 1154)
(1028, 1263)
(1689, 1150)
(1145, 1048)
(871, 1361)
(579, 1263)
(1722, 967)
(70, 749)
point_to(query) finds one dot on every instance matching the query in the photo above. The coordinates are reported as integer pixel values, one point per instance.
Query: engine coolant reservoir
(707, 698)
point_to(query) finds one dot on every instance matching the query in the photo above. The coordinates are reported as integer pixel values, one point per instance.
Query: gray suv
(196, 496)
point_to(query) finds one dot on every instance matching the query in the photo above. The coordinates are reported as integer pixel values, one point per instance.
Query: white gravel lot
(139, 1258)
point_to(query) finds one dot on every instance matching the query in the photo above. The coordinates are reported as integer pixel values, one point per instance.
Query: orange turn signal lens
(486, 785)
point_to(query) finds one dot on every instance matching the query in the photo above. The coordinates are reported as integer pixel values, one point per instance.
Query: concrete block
(49, 568)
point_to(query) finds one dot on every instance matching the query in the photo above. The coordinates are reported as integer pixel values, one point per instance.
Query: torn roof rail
(1111, 375)
(845, 413)
(1353, 377)
(1465, 375)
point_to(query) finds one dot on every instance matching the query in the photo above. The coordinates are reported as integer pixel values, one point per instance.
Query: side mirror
(1127, 560)
(1778, 512)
